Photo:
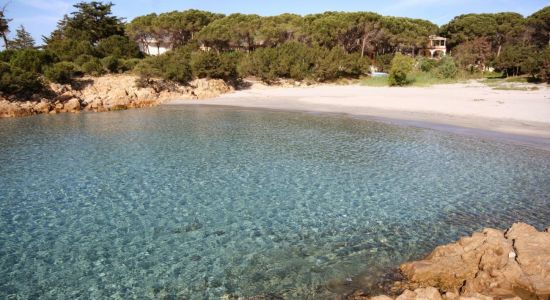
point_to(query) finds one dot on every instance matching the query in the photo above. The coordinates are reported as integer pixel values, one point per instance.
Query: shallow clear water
(198, 202)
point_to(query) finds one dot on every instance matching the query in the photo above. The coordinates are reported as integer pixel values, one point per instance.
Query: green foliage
(236, 31)
(128, 64)
(447, 68)
(6, 55)
(290, 60)
(261, 63)
(539, 27)
(93, 67)
(213, 65)
(173, 66)
(512, 58)
(15, 81)
(295, 60)
(91, 22)
(69, 49)
(118, 46)
(532, 64)
(544, 72)
(298, 61)
(427, 65)
(61, 72)
(23, 39)
(498, 28)
(401, 67)
(111, 64)
(337, 63)
(383, 62)
(32, 60)
(84, 58)
(4, 28)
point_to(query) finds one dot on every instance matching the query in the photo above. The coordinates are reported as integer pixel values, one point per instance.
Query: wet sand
(472, 108)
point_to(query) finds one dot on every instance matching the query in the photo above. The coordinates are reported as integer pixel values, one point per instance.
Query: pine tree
(4, 27)
(23, 39)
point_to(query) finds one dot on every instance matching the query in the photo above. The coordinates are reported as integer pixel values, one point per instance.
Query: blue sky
(40, 16)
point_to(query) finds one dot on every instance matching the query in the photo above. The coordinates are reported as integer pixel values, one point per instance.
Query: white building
(437, 46)
(154, 47)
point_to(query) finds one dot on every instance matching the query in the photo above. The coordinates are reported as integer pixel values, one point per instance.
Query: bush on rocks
(94, 67)
(128, 64)
(32, 60)
(111, 64)
(15, 81)
(173, 66)
(214, 65)
(62, 72)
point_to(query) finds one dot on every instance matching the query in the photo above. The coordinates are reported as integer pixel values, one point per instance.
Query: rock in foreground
(491, 264)
(111, 92)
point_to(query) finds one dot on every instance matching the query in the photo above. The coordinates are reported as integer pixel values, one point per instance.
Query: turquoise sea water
(198, 202)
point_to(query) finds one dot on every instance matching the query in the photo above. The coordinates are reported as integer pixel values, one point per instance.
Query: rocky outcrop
(491, 264)
(112, 92)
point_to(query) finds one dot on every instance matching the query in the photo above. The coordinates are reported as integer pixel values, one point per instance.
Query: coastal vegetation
(317, 47)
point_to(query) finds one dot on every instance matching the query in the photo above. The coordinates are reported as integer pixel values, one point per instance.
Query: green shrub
(111, 64)
(128, 64)
(84, 58)
(261, 63)
(401, 67)
(383, 62)
(532, 64)
(93, 67)
(427, 65)
(119, 46)
(32, 60)
(150, 67)
(15, 81)
(6, 55)
(206, 64)
(544, 72)
(230, 65)
(337, 63)
(214, 65)
(61, 72)
(295, 60)
(447, 68)
(173, 65)
(70, 50)
(178, 71)
(327, 66)
(298, 61)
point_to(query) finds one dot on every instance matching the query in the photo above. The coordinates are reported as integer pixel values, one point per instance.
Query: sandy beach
(469, 108)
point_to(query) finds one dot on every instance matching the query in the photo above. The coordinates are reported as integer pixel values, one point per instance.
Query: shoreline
(525, 115)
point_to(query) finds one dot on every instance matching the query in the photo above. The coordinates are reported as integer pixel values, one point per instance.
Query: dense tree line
(320, 47)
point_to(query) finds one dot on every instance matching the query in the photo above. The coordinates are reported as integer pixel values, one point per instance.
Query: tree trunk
(6, 43)
(364, 44)
(499, 49)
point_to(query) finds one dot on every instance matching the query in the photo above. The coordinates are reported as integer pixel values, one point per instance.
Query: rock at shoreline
(209, 88)
(491, 264)
(515, 263)
(73, 105)
(111, 92)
